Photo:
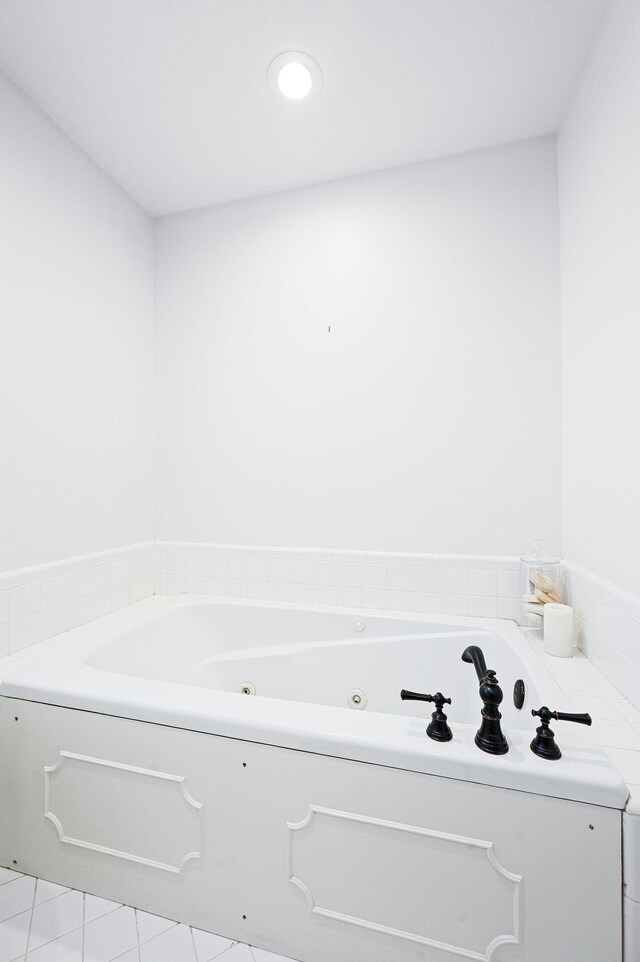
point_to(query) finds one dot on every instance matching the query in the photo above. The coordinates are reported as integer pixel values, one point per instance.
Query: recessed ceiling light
(295, 76)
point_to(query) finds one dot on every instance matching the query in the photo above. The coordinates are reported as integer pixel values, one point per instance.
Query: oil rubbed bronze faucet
(489, 736)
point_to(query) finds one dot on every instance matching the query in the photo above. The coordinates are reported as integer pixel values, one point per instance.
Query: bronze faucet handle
(545, 714)
(544, 744)
(438, 699)
(437, 728)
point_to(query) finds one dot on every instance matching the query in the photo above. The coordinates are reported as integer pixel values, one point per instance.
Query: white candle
(558, 630)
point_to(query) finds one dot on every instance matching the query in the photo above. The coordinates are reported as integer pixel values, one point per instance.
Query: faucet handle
(438, 699)
(437, 728)
(544, 744)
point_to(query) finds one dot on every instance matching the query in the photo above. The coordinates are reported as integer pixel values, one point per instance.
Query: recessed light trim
(294, 77)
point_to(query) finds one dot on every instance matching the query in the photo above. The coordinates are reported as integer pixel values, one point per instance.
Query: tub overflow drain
(246, 688)
(359, 625)
(356, 698)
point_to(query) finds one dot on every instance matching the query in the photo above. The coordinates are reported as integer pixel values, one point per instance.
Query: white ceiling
(170, 96)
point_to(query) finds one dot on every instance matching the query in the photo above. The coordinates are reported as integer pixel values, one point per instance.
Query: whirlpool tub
(249, 768)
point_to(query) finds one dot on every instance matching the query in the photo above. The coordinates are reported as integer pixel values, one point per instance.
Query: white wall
(76, 323)
(426, 420)
(599, 173)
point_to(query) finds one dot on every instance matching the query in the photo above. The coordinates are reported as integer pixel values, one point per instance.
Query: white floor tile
(16, 897)
(151, 925)
(95, 907)
(13, 937)
(133, 955)
(261, 956)
(239, 953)
(7, 875)
(209, 946)
(110, 936)
(174, 945)
(55, 918)
(68, 948)
(48, 890)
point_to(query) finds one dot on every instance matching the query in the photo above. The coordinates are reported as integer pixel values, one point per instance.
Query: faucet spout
(473, 655)
(489, 736)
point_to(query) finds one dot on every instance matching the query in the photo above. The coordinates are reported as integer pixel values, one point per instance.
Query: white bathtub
(165, 666)
(136, 769)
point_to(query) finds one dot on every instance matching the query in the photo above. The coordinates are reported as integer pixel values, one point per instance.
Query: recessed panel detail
(437, 889)
(130, 813)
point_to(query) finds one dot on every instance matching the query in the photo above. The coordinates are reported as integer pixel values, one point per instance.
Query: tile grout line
(135, 915)
(71, 931)
(84, 916)
(193, 943)
(33, 905)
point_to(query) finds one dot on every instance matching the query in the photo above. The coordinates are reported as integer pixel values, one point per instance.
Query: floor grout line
(24, 956)
(135, 915)
(193, 943)
(33, 904)
(84, 917)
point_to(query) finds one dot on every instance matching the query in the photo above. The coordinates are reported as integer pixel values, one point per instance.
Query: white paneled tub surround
(135, 768)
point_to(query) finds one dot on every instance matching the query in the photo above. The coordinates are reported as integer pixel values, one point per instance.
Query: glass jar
(540, 579)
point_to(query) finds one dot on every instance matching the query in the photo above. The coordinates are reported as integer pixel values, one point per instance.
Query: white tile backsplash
(400, 577)
(100, 578)
(43, 601)
(429, 603)
(350, 597)
(326, 595)
(303, 572)
(425, 583)
(350, 575)
(40, 602)
(400, 600)
(483, 581)
(607, 626)
(280, 570)
(482, 606)
(427, 579)
(326, 573)
(24, 631)
(374, 576)
(197, 565)
(79, 583)
(303, 594)
(375, 598)
(455, 581)
(509, 584)
(24, 600)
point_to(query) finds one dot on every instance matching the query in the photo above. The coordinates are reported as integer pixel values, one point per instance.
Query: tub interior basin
(340, 660)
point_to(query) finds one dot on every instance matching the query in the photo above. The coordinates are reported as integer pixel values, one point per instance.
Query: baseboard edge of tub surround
(486, 586)
(607, 623)
(43, 601)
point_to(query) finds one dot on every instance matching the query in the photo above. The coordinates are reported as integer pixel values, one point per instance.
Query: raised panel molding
(131, 813)
(357, 864)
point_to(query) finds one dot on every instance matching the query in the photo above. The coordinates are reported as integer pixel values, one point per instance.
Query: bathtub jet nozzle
(489, 737)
